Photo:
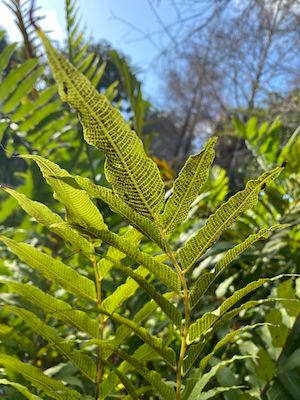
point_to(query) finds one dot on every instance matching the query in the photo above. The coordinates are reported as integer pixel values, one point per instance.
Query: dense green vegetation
(115, 286)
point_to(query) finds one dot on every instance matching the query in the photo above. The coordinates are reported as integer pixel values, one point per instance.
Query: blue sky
(102, 20)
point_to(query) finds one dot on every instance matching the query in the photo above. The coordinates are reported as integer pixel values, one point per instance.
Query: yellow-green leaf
(187, 186)
(226, 215)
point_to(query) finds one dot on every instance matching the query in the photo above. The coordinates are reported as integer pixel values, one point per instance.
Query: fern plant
(99, 344)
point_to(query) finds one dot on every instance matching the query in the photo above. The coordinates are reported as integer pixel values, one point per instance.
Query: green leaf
(187, 186)
(167, 307)
(162, 271)
(20, 388)
(82, 361)
(218, 318)
(131, 390)
(55, 389)
(51, 220)
(134, 176)
(53, 269)
(45, 112)
(156, 343)
(166, 391)
(14, 77)
(206, 279)
(203, 380)
(57, 308)
(116, 204)
(5, 56)
(225, 216)
(212, 393)
(231, 336)
(105, 265)
(80, 209)
(31, 106)
(22, 90)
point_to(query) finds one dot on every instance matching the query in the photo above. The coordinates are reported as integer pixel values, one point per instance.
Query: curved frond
(225, 216)
(53, 388)
(57, 308)
(134, 176)
(187, 186)
(53, 269)
(65, 347)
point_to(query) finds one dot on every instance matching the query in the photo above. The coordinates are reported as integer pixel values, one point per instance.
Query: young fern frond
(124, 264)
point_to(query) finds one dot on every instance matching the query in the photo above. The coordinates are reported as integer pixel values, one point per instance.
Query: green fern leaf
(205, 280)
(167, 307)
(226, 215)
(22, 90)
(212, 393)
(57, 308)
(116, 204)
(52, 221)
(162, 271)
(105, 265)
(6, 56)
(11, 81)
(80, 209)
(53, 269)
(20, 388)
(30, 107)
(166, 391)
(153, 341)
(65, 347)
(187, 186)
(130, 389)
(144, 353)
(212, 322)
(125, 291)
(193, 353)
(55, 389)
(202, 381)
(134, 176)
(226, 339)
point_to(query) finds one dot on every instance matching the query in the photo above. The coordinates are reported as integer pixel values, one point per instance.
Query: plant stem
(187, 312)
(99, 371)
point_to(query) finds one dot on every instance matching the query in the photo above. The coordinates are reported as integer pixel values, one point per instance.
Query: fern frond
(128, 289)
(226, 215)
(165, 390)
(14, 77)
(105, 265)
(22, 90)
(156, 343)
(134, 176)
(51, 220)
(80, 209)
(144, 353)
(196, 386)
(210, 320)
(20, 388)
(187, 186)
(167, 307)
(57, 308)
(130, 389)
(205, 280)
(162, 271)
(225, 340)
(53, 388)
(116, 204)
(6, 55)
(65, 347)
(53, 269)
